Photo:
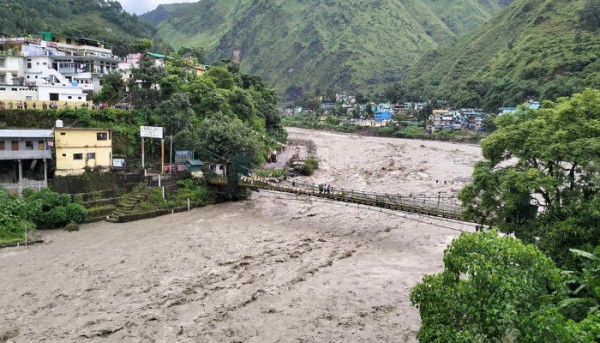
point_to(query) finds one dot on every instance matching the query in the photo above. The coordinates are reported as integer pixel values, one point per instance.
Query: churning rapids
(276, 268)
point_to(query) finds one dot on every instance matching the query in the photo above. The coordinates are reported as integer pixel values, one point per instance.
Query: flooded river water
(275, 268)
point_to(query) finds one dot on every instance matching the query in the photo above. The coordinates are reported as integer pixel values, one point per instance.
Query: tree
(13, 217)
(113, 88)
(538, 161)
(143, 45)
(590, 15)
(493, 289)
(224, 137)
(144, 83)
(586, 294)
(221, 77)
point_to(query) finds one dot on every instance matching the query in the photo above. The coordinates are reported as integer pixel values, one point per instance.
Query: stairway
(129, 204)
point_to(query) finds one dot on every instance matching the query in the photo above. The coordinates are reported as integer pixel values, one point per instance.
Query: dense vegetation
(162, 13)
(304, 46)
(497, 289)
(43, 209)
(219, 114)
(543, 161)
(539, 180)
(541, 49)
(103, 20)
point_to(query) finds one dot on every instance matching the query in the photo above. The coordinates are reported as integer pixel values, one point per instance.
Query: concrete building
(55, 68)
(80, 148)
(24, 147)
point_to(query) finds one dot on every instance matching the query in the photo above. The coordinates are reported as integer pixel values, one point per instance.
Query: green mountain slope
(535, 48)
(100, 19)
(162, 13)
(306, 45)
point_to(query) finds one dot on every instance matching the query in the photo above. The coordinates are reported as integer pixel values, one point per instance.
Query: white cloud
(143, 6)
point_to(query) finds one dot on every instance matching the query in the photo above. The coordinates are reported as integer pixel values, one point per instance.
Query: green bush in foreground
(497, 289)
(13, 218)
(48, 209)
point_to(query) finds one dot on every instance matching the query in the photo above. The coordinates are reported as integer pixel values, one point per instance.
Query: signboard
(182, 156)
(118, 163)
(151, 131)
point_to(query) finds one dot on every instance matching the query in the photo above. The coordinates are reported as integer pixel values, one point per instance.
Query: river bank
(275, 268)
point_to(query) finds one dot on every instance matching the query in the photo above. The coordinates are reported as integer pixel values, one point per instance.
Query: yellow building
(78, 148)
(200, 70)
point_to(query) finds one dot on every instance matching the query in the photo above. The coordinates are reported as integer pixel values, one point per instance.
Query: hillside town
(300, 171)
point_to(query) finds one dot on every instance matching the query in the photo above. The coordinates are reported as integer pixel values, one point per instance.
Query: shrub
(13, 217)
(72, 226)
(309, 166)
(48, 209)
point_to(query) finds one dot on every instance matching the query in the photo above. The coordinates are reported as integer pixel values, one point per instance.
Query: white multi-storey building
(53, 69)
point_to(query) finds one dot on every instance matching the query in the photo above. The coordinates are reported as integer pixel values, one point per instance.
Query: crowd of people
(53, 105)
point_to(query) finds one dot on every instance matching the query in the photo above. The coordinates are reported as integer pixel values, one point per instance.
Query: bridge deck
(439, 206)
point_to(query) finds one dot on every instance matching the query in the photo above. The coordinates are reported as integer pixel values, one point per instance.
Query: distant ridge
(302, 46)
(162, 13)
(541, 49)
(99, 19)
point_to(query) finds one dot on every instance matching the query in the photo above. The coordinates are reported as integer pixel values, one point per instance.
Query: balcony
(25, 154)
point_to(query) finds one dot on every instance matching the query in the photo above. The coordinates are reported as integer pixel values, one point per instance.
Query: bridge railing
(438, 204)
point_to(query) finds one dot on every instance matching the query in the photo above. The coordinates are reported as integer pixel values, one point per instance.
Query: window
(70, 97)
(29, 65)
(91, 156)
(2, 79)
(2, 145)
(64, 155)
(53, 96)
(78, 156)
(14, 145)
(41, 145)
(102, 136)
(63, 133)
(28, 145)
(2, 62)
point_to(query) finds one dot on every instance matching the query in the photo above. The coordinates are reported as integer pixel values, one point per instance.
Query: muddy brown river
(275, 268)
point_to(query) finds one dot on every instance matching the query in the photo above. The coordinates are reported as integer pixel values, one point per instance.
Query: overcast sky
(143, 6)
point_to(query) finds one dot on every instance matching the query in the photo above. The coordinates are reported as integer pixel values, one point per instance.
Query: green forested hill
(307, 45)
(100, 19)
(162, 13)
(535, 48)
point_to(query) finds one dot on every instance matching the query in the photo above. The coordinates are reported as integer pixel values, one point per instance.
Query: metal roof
(26, 133)
(194, 162)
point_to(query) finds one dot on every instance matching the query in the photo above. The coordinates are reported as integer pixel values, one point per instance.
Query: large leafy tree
(497, 289)
(539, 164)
(113, 88)
(145, 81)
(222, 137)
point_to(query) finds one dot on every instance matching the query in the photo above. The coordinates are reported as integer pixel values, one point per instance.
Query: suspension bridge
(442, 206)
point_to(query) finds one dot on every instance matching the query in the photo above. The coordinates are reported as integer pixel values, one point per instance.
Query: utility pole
(162, 156)
(171, 156)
